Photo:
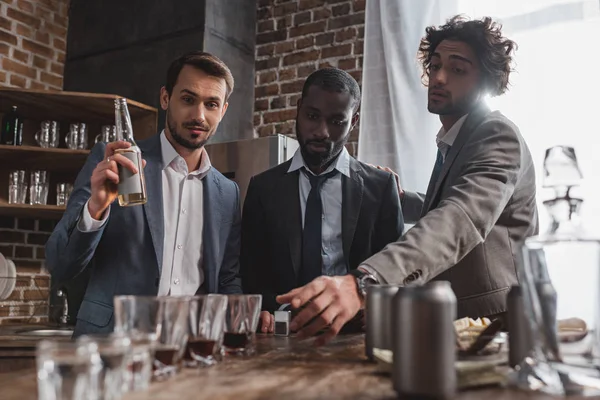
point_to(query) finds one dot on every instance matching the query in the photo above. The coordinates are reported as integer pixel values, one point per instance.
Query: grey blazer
(470, 224)
(125, 255)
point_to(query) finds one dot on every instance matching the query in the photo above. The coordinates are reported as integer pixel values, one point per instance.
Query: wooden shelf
(32, 157)
(31, 211)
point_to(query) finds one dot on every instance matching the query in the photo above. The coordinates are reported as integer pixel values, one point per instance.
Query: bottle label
(130, 183)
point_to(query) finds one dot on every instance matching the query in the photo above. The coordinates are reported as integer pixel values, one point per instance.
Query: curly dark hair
(494, 51)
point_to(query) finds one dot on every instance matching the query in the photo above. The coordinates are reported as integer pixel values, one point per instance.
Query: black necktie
(312, 260)
(435, 175)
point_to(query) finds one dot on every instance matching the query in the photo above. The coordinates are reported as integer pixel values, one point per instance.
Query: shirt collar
(449, 137)
(342, 163)
(170, 157)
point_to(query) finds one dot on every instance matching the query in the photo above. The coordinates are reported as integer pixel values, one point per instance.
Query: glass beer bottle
(132, 187)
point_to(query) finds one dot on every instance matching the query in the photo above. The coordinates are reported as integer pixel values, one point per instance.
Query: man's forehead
(449, 48)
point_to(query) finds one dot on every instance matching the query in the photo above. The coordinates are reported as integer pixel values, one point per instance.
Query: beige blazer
(470, 225)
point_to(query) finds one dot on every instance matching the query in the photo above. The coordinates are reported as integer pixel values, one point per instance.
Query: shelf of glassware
(48, 211)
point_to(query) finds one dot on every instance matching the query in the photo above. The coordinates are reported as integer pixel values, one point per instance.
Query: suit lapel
(291, 215)
(153, 208)
(352, 194)
(473, 121)
(212, 195)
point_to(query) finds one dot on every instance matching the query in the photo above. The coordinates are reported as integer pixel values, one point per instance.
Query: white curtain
(395, 128)
(554, 95)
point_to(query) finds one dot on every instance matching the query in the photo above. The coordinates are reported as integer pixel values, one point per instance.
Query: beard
(182, 141)
(323, 158)
(453, 107)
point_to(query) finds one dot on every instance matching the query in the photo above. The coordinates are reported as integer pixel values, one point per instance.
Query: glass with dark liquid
(243, 312)
(172, 336)
(206, 319)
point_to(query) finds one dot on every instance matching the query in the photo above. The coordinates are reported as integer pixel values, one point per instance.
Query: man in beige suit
(480, 203)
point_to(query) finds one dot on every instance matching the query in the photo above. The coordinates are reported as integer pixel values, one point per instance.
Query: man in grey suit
(480, 203)
(322, 212)
(185, 239)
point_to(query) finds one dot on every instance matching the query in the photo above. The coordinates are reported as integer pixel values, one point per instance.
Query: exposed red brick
(321, 13)
(59, 44)
(2, 80)
(267, 77)
(347, 20)
(53, 80)
(268, 63)
(55, 29)
(359, 5)
(39, 62)
(5, 23)
(266, 130)
(57, 69)
(24, 70)
(60, 20)
(307, 4)
(59, 56)
(357, 75)
(359, 47)
(265, 26)
(264, 91)
(4, 48)
(23, 251)
(25, 5)
(264, 13)
(315, 27)
(35, 295)
(287, 74)
(286, 128)
(284, 23)
(342, 9)
(257, 118)
(324, 39)
(278, 102)
(18, 81)
(336, 51)
(279, 116)
(305, 42)
(37, 86)
(306, 70)
(293, 100)
(42, 37)
(20, 16)
(285, 9)
(284, 47)
(261, 105)
(301, 56)
(37, 48)
(302, 18)
(7, 37)
(345, 34)
(265, 50)
(347, 64)
(270, 37)
(292, 87)
(23, 30)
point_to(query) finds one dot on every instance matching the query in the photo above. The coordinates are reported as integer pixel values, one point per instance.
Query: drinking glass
(206, 320)
(241, 321)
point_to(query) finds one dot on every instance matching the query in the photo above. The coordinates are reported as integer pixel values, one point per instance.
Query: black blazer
(272, 226)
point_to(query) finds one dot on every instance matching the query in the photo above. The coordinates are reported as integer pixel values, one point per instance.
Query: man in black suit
(322, 212)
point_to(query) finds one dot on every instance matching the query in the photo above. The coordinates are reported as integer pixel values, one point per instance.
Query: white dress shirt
(332, 249)
(445, 140)
(182, 193)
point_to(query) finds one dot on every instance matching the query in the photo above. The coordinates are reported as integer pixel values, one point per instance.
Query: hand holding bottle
(105, 178)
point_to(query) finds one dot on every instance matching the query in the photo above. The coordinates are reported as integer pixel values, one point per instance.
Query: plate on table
(11, 282)
(3, 276)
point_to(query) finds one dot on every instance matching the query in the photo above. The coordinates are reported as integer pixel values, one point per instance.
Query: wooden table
(284, 368)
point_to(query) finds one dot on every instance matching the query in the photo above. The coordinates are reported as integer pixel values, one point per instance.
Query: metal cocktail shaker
(424, 341)
(379, 318)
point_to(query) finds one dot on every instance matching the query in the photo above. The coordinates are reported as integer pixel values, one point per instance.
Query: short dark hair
(333, 79)
(494, 51)
(206, 62)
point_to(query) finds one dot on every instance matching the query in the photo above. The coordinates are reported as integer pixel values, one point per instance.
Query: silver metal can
(424, 341)
(378, 310)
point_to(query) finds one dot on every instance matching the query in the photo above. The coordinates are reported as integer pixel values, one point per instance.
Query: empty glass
(137, 317)
(17, 187)
(38, 188)
(108, 134)
(77, 138)
(206, 319)
(172, 335)
(114, 351)
(67, 370)
(63, 192)
(241, 321)
(48, 135)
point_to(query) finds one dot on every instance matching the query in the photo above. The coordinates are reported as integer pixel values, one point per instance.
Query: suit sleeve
(229, 275)
(390, 223)
(466, 214)
(412, 205)
(254, 260)
(69, 250)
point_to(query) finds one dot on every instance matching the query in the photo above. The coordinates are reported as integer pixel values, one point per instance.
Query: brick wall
(33, 36)
(33, 42)
(293, 39)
